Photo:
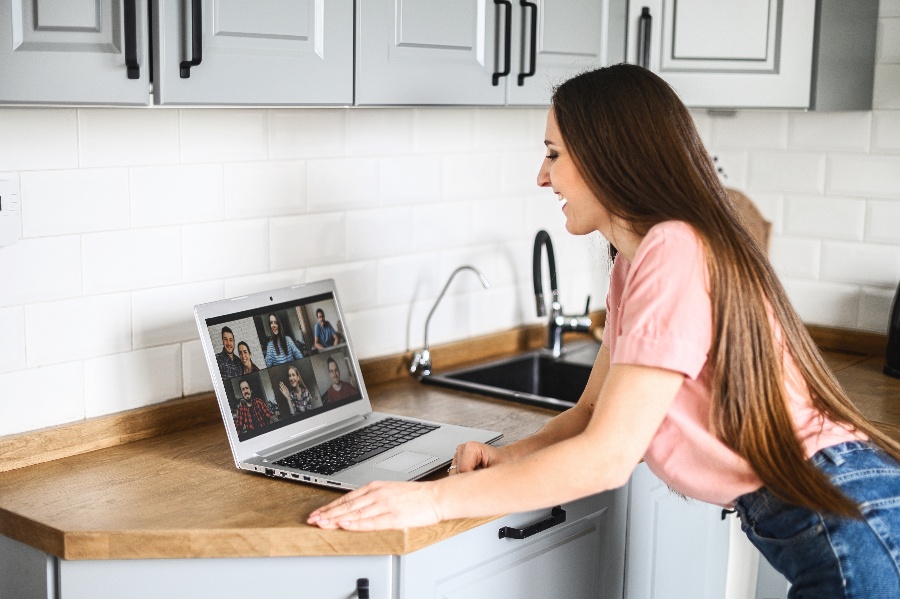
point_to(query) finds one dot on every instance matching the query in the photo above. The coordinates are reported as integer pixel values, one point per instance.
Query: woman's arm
(632, 403)
(472, 455)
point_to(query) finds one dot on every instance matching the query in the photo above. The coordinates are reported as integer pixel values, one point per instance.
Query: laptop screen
(283, 363)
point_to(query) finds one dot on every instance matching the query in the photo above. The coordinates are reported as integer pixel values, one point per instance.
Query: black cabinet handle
(644, 23)
(525, 4)
(557, 516)
(495, 80)
(362, 588)
(196, 39)
(131, 62)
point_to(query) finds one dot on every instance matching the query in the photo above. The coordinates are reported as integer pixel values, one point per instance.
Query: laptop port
(295, 475)
(306, 477)
(270, 472)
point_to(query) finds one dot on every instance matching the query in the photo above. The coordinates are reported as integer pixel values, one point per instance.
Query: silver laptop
(293, 400)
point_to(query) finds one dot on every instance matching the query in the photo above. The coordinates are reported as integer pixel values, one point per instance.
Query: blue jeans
(825, 556)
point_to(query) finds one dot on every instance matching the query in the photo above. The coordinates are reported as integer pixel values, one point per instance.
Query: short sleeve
(664, 317)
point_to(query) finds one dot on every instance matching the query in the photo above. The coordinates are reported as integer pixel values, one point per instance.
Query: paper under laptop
(287, 378)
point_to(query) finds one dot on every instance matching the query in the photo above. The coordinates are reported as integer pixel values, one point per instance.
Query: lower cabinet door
(226, 578)
(583, 557)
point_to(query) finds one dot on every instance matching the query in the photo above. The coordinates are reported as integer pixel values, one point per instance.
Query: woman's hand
(381, 505)
(284, 390)
(475, 456)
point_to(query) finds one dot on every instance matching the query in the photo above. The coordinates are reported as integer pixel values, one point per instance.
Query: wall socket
(10, 208)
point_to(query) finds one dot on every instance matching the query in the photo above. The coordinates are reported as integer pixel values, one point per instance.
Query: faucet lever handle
(587, 306)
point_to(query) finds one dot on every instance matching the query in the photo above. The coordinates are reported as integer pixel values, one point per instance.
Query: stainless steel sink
(535, 377)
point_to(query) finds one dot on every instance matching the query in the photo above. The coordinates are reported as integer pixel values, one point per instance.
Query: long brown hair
(636, 146)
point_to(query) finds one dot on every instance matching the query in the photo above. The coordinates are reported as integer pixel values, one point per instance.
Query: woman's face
(244, 353)
(583, 211)
(293, 377)
(273, 324)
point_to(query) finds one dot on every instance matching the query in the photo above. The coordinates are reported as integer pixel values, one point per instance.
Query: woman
(246, 360)
(281, 348)
(706, 372)
(297, 393)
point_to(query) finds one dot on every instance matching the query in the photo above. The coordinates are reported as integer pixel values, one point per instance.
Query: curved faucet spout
(421, 364)
(542, 239)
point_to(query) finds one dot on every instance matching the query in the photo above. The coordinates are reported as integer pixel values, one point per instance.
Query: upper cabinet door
(253, 52)
(727, 53)
(432, 52)
(564, 38)
(74, 52)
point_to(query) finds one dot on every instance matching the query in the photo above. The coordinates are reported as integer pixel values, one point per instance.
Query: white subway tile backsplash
(518, 172)
(407, 278)
(379, 131)
(127, 137)
(25, 408)
(825, 217)
(875, 309)
(751, 129)
(444, 129)
(441, 226)
(356, 283)
(238, 286)
(131, 259)
(882, 218)
(888, 41)
(471, 175)
(886, 136)
(12, 350)
(194, 369)
(824, 303)
(226, 249)
(888, 8)
(265, 189)
(341, 184)
(497, 261)
(786, 172)
(886, 89)
(497, 220)
(78, 328)
(40, 270)
(378, 331)
(223, 135)
(171, 195)
(379, 232)
(843, 131)
(863, 264)
(497, 309)
(703, 124)
(859, 175)
(796, 258)
(165, 315)
(36, 139)
(771, 205)
(732, 166)
(74, 201)
(504, 129)
(132, 380)
(451, 321)
(409, 179)
(307, 133)
(299, 241)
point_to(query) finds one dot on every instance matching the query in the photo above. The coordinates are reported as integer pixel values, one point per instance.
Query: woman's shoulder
(674, 239)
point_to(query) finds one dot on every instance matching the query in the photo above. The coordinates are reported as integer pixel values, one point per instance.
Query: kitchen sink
(535, 378)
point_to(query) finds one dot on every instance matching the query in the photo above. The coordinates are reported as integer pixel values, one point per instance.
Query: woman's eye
(552, 156)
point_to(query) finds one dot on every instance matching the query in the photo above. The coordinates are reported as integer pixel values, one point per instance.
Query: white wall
(132, 216)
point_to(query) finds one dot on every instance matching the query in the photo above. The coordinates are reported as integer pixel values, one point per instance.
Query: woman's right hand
(475, 456)
(284, 389)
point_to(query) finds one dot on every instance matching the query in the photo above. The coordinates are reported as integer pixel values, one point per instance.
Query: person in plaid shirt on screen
(252, 413)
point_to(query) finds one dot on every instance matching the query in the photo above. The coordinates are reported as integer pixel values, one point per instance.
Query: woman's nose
(543, 178)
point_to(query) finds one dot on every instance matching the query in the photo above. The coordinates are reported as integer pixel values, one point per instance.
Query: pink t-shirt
(658, 313)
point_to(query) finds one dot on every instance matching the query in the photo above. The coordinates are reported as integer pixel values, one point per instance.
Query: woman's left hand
(381, 505)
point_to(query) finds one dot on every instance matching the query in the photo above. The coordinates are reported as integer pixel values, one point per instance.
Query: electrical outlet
(10, 208)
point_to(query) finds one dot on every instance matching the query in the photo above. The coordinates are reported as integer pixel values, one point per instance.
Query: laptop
(293, 399)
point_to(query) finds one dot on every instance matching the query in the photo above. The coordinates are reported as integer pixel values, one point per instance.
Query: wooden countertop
(178, 494)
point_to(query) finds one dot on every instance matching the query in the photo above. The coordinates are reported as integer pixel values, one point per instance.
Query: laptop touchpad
(406, 461)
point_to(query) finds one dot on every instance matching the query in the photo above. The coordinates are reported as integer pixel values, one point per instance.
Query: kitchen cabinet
(480, 52)
(74, 52)
(678, 547)
(203, 52)
(581, 556)
(816, 54)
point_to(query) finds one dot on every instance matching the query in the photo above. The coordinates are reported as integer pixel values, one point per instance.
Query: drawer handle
(533, 52)
(196, 39)
(645, 21)
(495, 80)
(557, 516)
(131, 61)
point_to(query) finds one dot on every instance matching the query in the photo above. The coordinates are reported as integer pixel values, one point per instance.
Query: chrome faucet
(559, 322)
(421, 362)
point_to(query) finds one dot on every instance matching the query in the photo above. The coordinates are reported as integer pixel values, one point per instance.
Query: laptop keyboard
(348, 450)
